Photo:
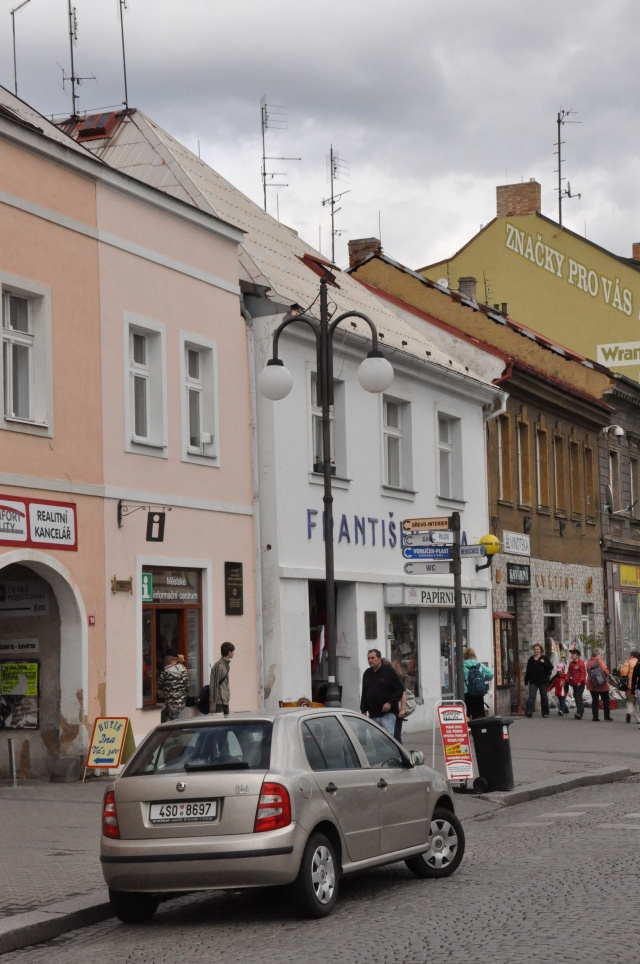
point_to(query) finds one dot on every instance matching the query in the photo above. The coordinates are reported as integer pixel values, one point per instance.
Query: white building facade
(416, 451)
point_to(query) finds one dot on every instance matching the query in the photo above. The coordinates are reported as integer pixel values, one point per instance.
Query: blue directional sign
(427, 552)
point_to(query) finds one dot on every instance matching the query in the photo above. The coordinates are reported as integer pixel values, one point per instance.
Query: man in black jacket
(537, 675)
(381, 690)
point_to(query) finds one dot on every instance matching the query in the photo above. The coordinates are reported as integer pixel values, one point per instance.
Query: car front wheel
(133, 908)
(446, 847)
(316, 887)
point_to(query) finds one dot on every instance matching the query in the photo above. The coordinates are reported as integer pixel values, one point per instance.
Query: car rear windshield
(220, 746)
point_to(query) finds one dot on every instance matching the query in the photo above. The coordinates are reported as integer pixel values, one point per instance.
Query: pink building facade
(126, 488)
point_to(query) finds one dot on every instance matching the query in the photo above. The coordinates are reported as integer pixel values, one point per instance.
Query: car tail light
(110, 826)
(274, 808)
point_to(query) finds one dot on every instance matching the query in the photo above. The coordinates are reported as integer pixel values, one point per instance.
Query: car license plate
(187, 811)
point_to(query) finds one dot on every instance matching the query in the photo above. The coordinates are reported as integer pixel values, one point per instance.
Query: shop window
(505, 655)
(577, 507)
(587, 619)
(505, 478)
(449, 458)
(172, 620)
(371, 625)
(199, 370)
(26, 372)
(145, 395)
(553, 627)
(524, 464)
(397, 443)
(627, 624)
(403, 640)
(542, 468)
(559, 473)
(337, 429)
(447, 648)
(589, 483)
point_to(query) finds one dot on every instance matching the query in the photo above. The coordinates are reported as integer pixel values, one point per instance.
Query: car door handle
(382, 783)
(331, 788)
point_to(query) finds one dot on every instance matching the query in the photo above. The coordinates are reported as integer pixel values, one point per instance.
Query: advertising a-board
(455, 741)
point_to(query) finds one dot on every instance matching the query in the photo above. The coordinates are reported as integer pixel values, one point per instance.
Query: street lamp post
(375, 374)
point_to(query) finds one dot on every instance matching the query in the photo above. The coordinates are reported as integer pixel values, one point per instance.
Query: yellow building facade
(550, 278)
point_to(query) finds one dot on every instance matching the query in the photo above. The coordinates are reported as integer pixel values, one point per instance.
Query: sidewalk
(49, 855)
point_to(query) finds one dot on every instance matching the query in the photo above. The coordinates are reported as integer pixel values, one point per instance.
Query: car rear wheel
(316, 887)
(133, 908)
(446, 847)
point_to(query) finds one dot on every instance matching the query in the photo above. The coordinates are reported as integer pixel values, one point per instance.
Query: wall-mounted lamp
(562, 526)
(527, 523)
(492, 545)
(617, 430)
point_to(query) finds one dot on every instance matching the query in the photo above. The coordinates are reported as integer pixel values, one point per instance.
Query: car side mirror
(416, 757)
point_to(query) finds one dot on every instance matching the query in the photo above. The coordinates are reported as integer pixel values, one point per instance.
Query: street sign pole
(456, 569)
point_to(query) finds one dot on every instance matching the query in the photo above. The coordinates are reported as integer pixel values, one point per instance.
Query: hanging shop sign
(518, 575)
(112, 742)
(516, 543)
(38, 523)
(454, 731)
(19, 696)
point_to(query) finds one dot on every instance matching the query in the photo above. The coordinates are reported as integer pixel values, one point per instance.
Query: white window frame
(453, 449)
(337, 415)
(208, 452)
(154, 371)
(38, 341)
(403, 434)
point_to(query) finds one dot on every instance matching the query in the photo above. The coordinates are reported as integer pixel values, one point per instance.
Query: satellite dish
(443, 283)
(608, 495)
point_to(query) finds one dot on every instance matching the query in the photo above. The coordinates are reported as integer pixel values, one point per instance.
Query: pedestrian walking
(219, 687)
(626, 672)
(537, 675)
(598, 686)
(381, 690)
(173, 681)
(635, 683)
(576, 678)
(475, 688)
(557, 683)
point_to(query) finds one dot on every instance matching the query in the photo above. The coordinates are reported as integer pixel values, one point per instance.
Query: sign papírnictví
(455, 741)
(112, 742)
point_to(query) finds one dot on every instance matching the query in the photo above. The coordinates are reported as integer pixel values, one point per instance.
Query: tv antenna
(13, 28)
(563, 192)
(338, 171)
(122, 6)
(272, 117)
(74, 78)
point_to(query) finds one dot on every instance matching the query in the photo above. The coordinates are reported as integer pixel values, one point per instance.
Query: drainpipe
(255, 481)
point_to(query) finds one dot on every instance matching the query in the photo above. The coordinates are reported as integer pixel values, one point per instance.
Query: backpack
(203, 700)
(475, 681)
(410, 704)
(597, 675)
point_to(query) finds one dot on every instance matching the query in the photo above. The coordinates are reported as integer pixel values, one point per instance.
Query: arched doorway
(43, 667)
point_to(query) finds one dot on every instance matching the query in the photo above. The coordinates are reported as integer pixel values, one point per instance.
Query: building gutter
(255, 482)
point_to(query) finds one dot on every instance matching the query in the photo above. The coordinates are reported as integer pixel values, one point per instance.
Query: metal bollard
(12, 764)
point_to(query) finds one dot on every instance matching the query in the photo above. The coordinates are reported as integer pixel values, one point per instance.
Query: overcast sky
(431, 105)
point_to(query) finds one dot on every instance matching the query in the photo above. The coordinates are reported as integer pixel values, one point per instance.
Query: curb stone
(547, 788)
(23, 930)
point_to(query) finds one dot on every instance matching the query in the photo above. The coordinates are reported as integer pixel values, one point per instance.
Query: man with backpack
(598, 686)
(475, 688)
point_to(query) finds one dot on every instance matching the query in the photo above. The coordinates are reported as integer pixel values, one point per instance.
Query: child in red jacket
(558, 681)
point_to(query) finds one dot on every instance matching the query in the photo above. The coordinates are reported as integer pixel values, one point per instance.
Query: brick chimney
(635, 251)
(467, 287)
(518, 199)
(361, 248)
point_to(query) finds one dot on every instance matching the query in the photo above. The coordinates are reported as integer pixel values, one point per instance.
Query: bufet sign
(455, 740)
(38, 523)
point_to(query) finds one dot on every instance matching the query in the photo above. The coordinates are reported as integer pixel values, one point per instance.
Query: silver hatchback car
(294, 797)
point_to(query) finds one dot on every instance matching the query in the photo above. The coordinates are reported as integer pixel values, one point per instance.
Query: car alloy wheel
(317, 883)
(446, 847)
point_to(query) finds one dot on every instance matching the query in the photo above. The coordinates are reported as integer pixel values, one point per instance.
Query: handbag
(623, 685)
(410, 704)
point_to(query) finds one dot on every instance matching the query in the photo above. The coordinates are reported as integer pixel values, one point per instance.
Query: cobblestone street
(541, 881)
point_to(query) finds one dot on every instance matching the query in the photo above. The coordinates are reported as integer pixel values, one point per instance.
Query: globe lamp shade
(375, 374)
(275, 381)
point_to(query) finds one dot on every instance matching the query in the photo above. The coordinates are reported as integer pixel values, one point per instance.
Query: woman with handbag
(626, 675)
